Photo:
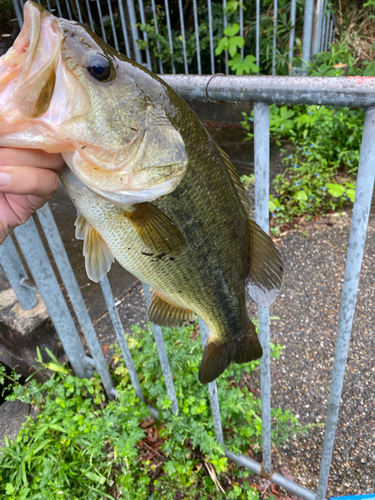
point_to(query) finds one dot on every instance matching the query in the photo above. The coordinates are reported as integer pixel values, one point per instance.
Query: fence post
(18, 12)
(261, 167)
(317, 26)
(357, 238)
(67, 274)
(134, 30)
(308, 19)
(163, 356)
(116, 321)
(49, 288)
(274, 37)
(292, 33)
(15, 273)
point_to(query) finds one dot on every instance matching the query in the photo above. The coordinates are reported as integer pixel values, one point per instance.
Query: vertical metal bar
(112, 23)
(292, 33)
(49, 6)
(225, 27)
(330, 36)
(163, 356)
(48, 286)
(241, 26)
(261, 167)
(18, 13)
(104, 35)
(68, 9)
(66, 272)
(274, 37)
(326, 34)
(196, 27)
(15, 272)
(58, 8)
(143, 21)
(90, 16)
(170, 34)
(182, 24)
(157, 32)
(79, 12)
(22, 3)
(307, 35)
(361, 211)
(211, 37)
(323, 30)
(257, 49)
(212, 389)
(123, 26)
(181, 10)
(108, 295)
(134, 29)
(317, 31)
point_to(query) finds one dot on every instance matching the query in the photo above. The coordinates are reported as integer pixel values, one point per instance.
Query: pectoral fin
(98, 257)
(266, 268)
(218, 354)
(157, 232)
(164, 312)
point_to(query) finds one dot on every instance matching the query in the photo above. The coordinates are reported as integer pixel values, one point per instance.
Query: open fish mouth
(115, 139)
(27, 70)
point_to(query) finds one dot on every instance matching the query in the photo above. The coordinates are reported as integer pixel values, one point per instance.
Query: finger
(28, 180)
(30, 158)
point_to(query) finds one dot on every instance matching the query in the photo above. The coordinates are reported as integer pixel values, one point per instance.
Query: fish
(152, 188)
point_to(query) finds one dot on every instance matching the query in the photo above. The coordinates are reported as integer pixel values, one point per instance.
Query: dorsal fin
(236, 180)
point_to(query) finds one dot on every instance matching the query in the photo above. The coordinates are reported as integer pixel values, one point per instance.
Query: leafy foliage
(320, 173)
(81, 446)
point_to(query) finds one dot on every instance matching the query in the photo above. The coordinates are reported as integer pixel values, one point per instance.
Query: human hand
(28, 179)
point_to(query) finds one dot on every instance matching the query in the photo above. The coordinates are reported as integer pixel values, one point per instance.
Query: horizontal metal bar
(89, 361)
(275, 477)
(328, 91)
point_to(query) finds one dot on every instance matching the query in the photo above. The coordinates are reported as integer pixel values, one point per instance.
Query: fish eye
(99, 67)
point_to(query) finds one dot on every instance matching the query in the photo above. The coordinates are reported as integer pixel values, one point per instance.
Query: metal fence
(262, 91)
(119, 23)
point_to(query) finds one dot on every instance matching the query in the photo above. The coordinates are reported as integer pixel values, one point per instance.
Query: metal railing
(263, 91)
(122, 26)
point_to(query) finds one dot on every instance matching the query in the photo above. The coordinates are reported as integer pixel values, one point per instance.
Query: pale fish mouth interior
(27, 70)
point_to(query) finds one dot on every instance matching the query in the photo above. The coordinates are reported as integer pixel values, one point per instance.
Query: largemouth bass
(153, 189)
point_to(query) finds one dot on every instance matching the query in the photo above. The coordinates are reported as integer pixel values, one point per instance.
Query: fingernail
(5, 179)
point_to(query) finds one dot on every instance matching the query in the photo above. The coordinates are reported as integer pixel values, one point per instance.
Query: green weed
(82, 446)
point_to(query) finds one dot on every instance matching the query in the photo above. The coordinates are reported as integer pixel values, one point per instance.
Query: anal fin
(164, 312)
(265, 276)
(157, 232)
(218, 355)
(98, 257)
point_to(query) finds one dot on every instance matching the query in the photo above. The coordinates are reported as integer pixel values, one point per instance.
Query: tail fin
(218, 355)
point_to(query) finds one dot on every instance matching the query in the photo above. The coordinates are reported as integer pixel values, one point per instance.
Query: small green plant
(320, 172)
(232, 42)
(82, 446)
